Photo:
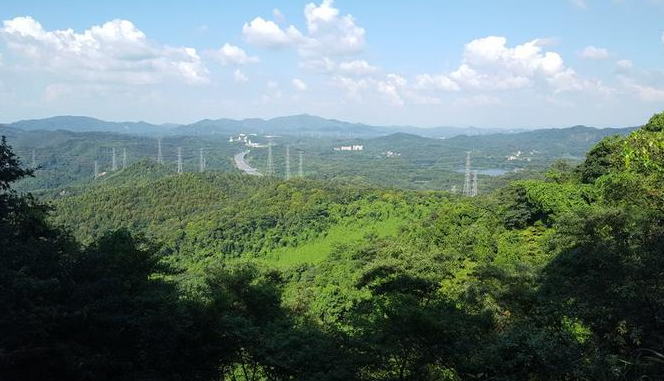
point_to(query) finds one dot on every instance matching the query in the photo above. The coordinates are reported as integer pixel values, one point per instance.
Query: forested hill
(227, 216)
(300, 125)
(540, 145)
(66, 159)
(152, 275)
(87, 124)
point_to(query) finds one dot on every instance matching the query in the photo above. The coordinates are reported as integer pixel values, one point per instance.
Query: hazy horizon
(318, 116)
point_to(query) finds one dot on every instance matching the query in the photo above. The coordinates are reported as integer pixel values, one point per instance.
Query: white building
(350, 148)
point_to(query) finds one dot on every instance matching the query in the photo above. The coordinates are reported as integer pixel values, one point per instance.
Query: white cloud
(299, 85)
(352, 86)
(624, 65)
(278, 16)
(270, 35)
(232, 55)
(273, 92)
(323, 65)
(594, 53)
(239, 76)
(116, 51)
(357, 68)
(391, 88)
(328, 33)
(488, 64)
(488, 67)
(644, 92)
(437, 82)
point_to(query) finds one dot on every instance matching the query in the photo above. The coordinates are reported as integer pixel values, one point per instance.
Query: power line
(96, 169)
(34, 159)
(124, 158)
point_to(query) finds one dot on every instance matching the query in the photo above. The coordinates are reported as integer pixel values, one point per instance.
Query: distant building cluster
(518, 156)
(246, 140)
(350, 148)
(391, 154)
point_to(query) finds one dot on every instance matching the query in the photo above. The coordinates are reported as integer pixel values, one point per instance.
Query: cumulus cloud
(116, 51)
(352, 86)
(488, 64)
(624, 65)
(268, 34)
(594, 53)
(391, 88)
(273, 92)
(357, 68)
(644, 92)
(278, 16)
(232, 55)
(299, 85)
(328, 33)
(331, 33)
(322, 65)
(437, 82)
(239, 76)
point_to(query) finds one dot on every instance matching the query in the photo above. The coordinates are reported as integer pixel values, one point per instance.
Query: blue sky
(427, 63)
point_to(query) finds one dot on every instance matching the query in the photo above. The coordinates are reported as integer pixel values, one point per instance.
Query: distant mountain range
(306, 125)
(295, 125)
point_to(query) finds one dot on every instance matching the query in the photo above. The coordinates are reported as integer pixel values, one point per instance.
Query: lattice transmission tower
(201, 161)
(466, 180)
(287, 163)
(269, 170)
(114, 163)
(160, 158)
(300, 167)
(180, 160)
(473, 190)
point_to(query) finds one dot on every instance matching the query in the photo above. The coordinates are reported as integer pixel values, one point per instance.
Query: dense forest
(221, 276)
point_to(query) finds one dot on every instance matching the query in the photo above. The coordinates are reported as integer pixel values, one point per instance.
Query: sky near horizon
(425, 63)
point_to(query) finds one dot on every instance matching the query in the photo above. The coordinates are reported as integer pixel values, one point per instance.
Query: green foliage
(601, 159)
(655, 124)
